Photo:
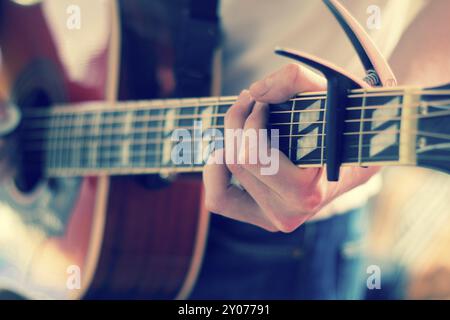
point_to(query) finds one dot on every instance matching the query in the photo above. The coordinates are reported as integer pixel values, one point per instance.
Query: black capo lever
(340, 82)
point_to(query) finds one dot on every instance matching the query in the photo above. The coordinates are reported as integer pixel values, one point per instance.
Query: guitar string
(178, 117)
(156, 156)
(158, 141)
(55, 151)
(76, 132)
(144, 154)
(157, 161)
(164, 104)
(319, 110)
(133, 166)
(73, 129)
(159, 151)
(318, 148)
(71, 134)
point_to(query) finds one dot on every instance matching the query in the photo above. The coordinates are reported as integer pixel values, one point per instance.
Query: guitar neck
(139, 137)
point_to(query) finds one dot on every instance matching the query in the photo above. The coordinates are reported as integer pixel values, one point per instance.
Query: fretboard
(138, 137)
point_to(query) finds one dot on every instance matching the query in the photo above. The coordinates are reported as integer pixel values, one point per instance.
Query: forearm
(422, 56)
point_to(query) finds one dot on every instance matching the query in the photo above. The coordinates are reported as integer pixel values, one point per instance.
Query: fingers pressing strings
(230, 201)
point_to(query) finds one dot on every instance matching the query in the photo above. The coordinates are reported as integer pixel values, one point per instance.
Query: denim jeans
(320, 260)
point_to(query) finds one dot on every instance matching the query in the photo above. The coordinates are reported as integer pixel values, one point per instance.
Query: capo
(378, 73)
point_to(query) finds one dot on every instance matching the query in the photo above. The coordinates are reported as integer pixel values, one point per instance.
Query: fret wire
(197, 113)
(143, 161)
(57, 140)
(157, 156)
(96, 129)
(215, 119)
(83, 146)
(147, 140)
(164, 124)
(146, 147)
(69, 153)
(322, 150)
(103, 136)
(160, 149)
(361, 127)
(51, 141)
(176, 123)
(60, 144)
(48, 139)
(125, 147)
(147, 125)
(290, 129)
(75, 142)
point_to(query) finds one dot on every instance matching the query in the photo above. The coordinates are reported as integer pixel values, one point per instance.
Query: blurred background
(410, 233)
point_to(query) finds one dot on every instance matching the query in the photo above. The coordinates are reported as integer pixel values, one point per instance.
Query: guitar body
(92, 237)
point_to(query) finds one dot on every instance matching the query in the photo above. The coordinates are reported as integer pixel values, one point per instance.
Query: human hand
(285, 200)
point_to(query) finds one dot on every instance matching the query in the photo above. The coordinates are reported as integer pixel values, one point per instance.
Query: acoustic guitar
(75, 207)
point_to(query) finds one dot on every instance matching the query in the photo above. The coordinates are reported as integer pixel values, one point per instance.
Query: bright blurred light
(26, 2)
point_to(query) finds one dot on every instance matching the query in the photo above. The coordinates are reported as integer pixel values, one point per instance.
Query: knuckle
(270, 228)
(292, 71)
(284, 220)
(312, 201)
(288, 228)
(287, 223)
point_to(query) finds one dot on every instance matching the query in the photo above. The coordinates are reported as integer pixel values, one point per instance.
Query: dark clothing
(320, 260)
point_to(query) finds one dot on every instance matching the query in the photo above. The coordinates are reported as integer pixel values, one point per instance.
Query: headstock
(433, 136)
